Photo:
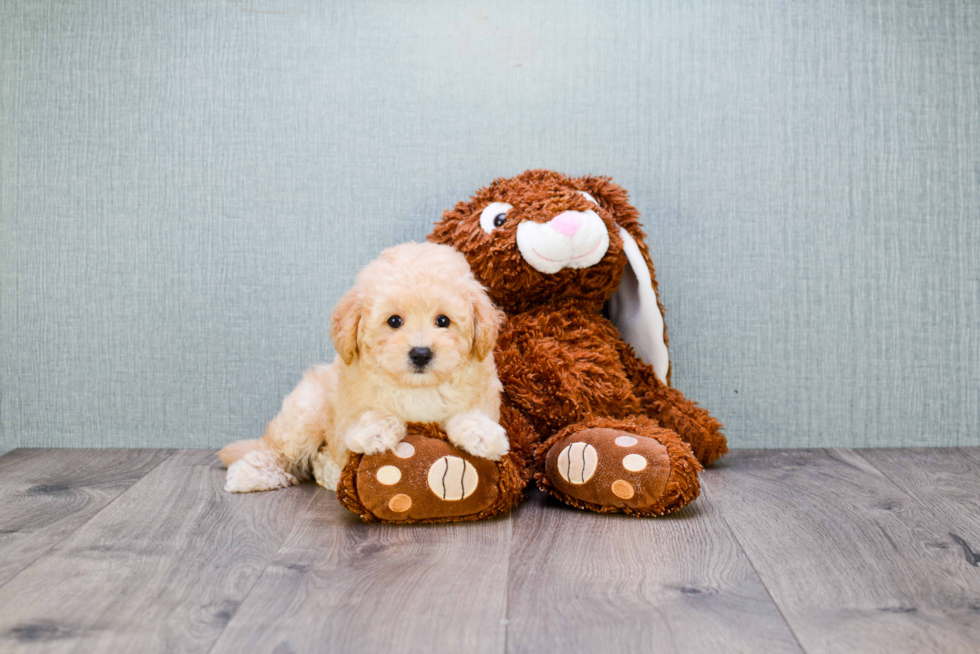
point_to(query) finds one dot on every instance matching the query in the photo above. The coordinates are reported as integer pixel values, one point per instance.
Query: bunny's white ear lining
(634, 311)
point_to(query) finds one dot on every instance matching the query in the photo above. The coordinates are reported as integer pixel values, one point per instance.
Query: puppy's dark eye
(395, 322)
(499, 219)
(442, 321)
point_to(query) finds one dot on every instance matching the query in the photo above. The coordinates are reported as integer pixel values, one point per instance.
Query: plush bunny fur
(566, 259)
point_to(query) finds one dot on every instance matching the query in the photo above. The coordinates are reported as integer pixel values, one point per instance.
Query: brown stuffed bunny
(583, 359)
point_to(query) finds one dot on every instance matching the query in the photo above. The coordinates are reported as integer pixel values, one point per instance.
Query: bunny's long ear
(634, 309)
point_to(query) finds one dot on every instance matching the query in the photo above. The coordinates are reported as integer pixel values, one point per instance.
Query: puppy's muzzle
(420, 357)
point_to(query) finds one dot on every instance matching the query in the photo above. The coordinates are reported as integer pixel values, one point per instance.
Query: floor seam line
(259, 576)
(510, 552)
(908, 493)
(762, 581)
(904, 491)
(92, 517)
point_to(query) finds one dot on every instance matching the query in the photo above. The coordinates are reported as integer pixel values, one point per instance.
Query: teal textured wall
(187, 187)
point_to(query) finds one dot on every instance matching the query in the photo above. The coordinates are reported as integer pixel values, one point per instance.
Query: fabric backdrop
(186, 188)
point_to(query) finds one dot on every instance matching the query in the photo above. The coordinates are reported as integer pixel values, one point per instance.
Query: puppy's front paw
(374, 433)
(478, 434)
(259, 470)
(326, 471)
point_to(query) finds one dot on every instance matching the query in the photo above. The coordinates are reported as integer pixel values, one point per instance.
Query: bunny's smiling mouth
(564, 261)
(572, 239)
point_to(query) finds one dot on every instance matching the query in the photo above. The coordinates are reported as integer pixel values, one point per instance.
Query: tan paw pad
(389, 475)
(400, 503)
(452, 478)
(404, 450)
(634, 462)
(577, 463)
(622, 489)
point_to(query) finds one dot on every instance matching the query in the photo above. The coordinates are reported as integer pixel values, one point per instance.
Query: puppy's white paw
(478, 434)
(326, 471)
(374, 433)
(259, 470)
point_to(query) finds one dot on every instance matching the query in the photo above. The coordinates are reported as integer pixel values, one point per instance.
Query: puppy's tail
(231, 453)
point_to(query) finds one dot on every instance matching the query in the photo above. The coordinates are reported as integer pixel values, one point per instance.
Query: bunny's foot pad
(636, 468)
(428, 480)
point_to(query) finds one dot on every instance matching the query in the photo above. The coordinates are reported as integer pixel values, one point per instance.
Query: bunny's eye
(494, 215)
(395, 322)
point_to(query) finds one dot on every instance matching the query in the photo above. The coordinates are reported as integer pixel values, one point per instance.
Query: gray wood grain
(583, 582)
(828, 550)
(946, 482)
(338, 585)
(853, 561)
(47, 494)
(162, 569)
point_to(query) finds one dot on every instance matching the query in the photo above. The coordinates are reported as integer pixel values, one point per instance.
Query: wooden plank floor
(785, 551)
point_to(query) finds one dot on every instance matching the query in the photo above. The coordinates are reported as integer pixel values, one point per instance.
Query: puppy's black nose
(420, 356)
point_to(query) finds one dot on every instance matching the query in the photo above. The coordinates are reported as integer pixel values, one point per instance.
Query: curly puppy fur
(414, 338)
(563, 364)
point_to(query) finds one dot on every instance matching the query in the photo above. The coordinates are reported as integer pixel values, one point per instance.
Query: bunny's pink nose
(567, 223)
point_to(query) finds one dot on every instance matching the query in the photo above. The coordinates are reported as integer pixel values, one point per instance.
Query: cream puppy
(414, 340)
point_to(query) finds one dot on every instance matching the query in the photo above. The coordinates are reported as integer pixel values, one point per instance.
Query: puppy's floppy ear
(486, 321)
(344, 321)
